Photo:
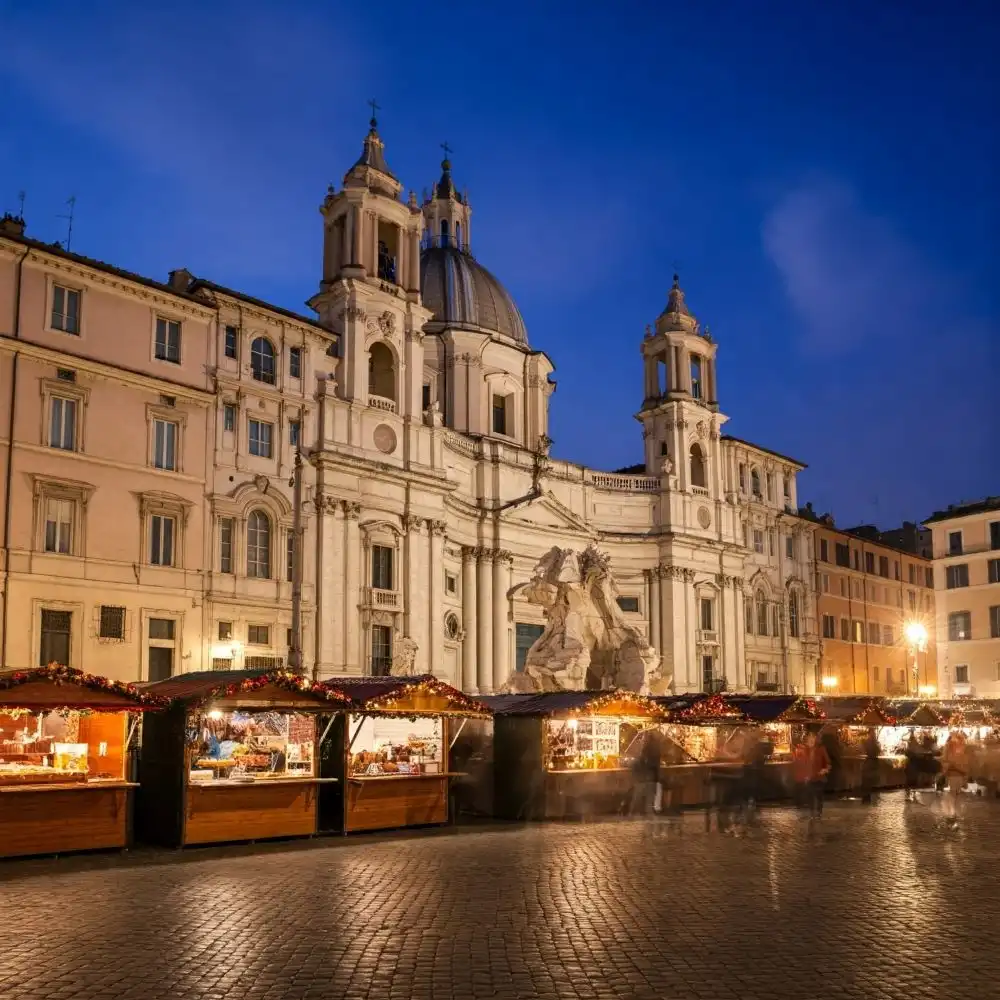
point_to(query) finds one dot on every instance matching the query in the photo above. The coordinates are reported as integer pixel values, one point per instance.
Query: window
(290, 557)
(54, 641)
(259, 635)
(959, 626)
(755, 482)
(382, 567)
(163, 629)
(499, 414)
(995, 534)
(883, 566)
(824, 582)
(843, 555)
(912, 573)
(869, 562)
(845, 630)
(425, 397)
(929, 577)
(62, 423)
(993, 570)
(161, 540)
(65, 309)
(895, 570)
(228, 417)
(111, 623)
(168, 340)
(887, 637)
(707, 614)
(875, 675)
(225, 631)
(789, 546)
(857, 631)
(743, 478)
(262, 360)
(793, 614)
(260, 438)
(381, 650)
(829, 627)
(525, 636)
(771, 541)
(230, 344)
(874, 634)
(858, 589)
(696, 383)
(844, 590)
(59, 516)
(954, 543)
(962, 673)
(160, 648)
(761, 615)
(957, 576)
(995, 621)
(824, 550)
(699, 476)
(857, 558)
(226, 545)
(259, 545)
(758, 541)
(451, 587)
(164, 445)
(295, 362)
(786, 487)
(769, 479)
(912, 599)
(294, 427)
(333, 349)
(630, 604)
(746, 535)
(748, 614)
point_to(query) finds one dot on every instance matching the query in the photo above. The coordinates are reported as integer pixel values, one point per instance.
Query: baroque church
(436, 493)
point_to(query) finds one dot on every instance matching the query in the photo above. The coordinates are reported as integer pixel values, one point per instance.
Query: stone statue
(433, 416)
(587, 643)
(404, 657)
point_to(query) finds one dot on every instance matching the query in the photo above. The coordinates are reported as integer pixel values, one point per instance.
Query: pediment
(545, 511)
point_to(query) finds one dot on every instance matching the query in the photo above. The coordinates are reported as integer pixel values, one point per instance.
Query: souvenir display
(392, 747)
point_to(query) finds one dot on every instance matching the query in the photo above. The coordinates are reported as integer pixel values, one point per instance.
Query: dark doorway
(57, 627)
(161, 662)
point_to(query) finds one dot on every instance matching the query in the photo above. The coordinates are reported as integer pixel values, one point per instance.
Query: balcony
(387, 600)
(700, 491)
(714, 685)
(707, 637)
(767, 687)
(638, 484)
(382, 403)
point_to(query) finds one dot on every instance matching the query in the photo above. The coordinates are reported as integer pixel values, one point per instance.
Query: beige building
(149, 433)
(966, 541)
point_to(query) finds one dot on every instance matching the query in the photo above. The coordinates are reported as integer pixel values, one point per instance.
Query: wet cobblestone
(876, 903)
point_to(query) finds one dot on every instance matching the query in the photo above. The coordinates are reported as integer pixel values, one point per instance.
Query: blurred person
(955, 768)
(810, 768)
(646, 774)
(870, 768)
(913, 753)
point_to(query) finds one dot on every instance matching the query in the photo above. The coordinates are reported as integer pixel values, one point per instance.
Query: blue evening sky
(823, 175)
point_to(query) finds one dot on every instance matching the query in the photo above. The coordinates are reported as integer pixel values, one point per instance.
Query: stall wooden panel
(387, 803)
(57, 819)
(255, 811)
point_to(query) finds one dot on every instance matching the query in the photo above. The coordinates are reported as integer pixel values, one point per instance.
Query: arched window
(793, 614)
(458, 235)
(755, 482)
(761, 601)
(698, 474)
(748, 614)
(444, 232)
(381, 372)
(262, 360)
(259, 545)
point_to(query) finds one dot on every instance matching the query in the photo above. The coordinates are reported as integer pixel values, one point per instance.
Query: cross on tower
(375, 107)
(447, 150)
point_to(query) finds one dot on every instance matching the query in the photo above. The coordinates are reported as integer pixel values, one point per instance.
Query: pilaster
(484, 632)
(470, 683)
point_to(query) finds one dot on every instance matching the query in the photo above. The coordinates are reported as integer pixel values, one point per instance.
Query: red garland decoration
(280, 678)
(813, 708)
(712, 707)
(59, 674)
(383, 702)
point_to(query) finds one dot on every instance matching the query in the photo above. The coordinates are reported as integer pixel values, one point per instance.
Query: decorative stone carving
(702, 429)
(384, 325)
(723, 580)
(667, 467)
(437, 527)
(586, 643)
(354, 313)
(404, 657)
(331, 505)
(352, 510)
(384, 438)
(503, 556)
(433, 416)
(412, 523)
(453, 630)
(262, 483)
(704, 517)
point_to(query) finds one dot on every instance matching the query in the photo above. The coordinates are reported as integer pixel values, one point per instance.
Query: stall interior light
(829, 682)
(927, 690)
(215, 714)
(573, 723)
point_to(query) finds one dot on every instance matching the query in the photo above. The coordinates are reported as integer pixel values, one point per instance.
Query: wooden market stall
(851, 720)
(566, 753)
(64, 736)
(390, 756)
(235, 757)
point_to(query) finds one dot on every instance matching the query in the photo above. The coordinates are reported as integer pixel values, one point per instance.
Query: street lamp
(915, 634)
(829, 683)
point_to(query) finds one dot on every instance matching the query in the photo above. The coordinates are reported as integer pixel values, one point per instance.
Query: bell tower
(680, 410)
(447, 213)
(370, 288)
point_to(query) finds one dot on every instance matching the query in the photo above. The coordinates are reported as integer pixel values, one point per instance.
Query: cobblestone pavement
(875, 903)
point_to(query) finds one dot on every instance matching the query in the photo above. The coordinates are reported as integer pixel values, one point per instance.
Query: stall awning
(54, 687)
(248, 686)
(407, 696)
(856, 711)
(917, 713)
(626, 704)
(701, 709)
(764, 709)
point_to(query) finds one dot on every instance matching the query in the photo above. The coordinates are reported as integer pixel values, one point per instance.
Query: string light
(59, 675)
(284, 679)
(402, 690)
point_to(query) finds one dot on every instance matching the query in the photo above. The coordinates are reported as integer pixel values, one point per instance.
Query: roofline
(874, 544)
(767, 451)
(212, 286)
(957, 511)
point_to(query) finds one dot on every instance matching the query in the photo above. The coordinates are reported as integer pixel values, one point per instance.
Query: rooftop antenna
(71, 201)
(20, 210)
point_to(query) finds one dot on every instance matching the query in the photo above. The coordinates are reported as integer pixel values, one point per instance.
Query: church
(430, 494)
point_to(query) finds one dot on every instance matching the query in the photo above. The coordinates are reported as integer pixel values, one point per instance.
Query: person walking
(912, 753)
(955, 768)
(646, 774)
(870, 768)
(810, 767)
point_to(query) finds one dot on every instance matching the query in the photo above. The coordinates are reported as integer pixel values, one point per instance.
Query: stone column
(501, 584)
(345, 239)
(435, 620)
(330, 572)
(469, 680)
(653, 608)
(415, 593)
(353, 658)
(373, 248)
(484, 630)
(356, 218)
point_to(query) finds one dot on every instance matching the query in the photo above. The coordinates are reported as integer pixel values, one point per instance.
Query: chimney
(180, 279)
(11, 225)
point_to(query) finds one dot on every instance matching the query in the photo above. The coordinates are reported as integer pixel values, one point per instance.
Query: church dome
(462, 293)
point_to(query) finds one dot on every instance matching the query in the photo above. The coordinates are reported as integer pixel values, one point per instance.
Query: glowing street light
(915, 634)
(829, 683)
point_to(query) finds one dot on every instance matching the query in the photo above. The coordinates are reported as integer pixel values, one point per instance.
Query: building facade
(876, 614)
(150, 432)
(966, 541)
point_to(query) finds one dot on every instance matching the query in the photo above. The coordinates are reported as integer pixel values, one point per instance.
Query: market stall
(390, 756)
(235, 757)
(566, 753)
(852, 722)
(63, 751)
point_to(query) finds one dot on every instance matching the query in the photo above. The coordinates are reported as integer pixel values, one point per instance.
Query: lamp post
(915, 634)
(295, 648)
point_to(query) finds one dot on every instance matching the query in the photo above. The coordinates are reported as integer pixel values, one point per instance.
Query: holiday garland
(646, 705)
(714, 708)
(279, 678)
(427, 685)
(58, 674)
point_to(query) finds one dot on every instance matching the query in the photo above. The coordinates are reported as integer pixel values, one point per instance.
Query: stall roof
(409, 696)
(56, 686)
(856, 711)
(202, 686)
(701, 709)
(917, 713)
(568, 702)
(775, 708)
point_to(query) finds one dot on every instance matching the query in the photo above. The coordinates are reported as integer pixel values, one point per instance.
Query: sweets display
(390, 748)
(40, 748)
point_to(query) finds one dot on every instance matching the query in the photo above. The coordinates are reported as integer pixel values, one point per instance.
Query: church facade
(430, 491)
